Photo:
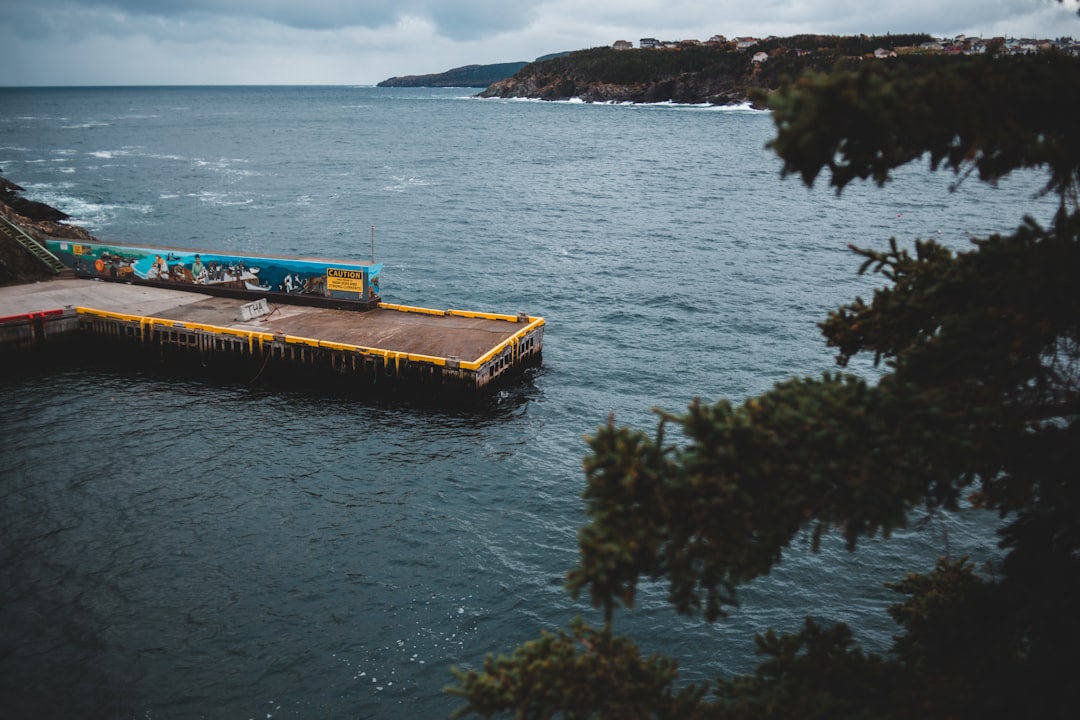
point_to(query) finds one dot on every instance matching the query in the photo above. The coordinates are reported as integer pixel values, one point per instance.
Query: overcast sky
(360, 42)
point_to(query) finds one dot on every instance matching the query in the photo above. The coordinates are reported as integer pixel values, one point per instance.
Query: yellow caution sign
(345, 280)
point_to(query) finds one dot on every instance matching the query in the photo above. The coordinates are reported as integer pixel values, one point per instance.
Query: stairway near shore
(10, 229)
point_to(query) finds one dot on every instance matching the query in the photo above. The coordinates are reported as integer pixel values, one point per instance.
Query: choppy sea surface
(175, 549)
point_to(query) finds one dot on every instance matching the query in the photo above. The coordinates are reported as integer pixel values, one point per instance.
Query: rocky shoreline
(691, 89)
(17, 266)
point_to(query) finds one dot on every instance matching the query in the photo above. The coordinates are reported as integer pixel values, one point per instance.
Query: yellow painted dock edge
(254, 337)
(532, 324)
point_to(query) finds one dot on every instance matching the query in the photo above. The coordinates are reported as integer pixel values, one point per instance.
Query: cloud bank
(110, 42)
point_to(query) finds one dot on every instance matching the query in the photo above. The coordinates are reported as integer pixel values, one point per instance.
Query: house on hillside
(623, 45)
(745, 42)
(883, 53)
(759, 57)
(648, 43)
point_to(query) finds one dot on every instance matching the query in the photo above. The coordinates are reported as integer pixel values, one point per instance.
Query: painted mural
(289, 276)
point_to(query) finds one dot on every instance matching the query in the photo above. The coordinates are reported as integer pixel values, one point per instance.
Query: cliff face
(687, 75)
(691, 88)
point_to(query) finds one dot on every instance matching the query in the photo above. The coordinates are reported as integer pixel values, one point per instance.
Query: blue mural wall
(288, 276)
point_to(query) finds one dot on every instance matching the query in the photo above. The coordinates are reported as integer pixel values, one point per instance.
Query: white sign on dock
(254, 309)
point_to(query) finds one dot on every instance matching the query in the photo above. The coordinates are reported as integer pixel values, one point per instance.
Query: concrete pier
(389, 347)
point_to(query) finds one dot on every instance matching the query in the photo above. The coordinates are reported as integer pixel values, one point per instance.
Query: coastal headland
(715, 72)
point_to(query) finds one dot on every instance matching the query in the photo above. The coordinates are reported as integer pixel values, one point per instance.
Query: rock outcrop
(689, 88)
(17, 265)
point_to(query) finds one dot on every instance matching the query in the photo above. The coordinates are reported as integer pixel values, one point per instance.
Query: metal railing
(10, 228)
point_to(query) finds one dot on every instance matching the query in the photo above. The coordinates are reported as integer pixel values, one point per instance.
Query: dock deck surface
(467, 338)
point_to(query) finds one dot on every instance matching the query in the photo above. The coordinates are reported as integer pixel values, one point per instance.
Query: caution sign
(345, 280)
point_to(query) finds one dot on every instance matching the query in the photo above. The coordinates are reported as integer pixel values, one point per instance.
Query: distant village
(959, 45)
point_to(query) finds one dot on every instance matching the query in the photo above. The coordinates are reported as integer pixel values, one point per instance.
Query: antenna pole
(372, 244)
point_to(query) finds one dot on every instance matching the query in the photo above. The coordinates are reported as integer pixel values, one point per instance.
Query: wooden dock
(389, 347)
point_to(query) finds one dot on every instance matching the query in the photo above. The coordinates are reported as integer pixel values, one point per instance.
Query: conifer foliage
(978, 400)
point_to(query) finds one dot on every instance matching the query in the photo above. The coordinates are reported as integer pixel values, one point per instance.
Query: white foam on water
(85, 125)
(220, 199)
(402, 183)
(89, 214)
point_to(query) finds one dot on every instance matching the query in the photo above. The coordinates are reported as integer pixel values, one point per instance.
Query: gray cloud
(465, 20)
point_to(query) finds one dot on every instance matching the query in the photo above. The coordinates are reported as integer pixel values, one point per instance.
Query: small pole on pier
(372, 244)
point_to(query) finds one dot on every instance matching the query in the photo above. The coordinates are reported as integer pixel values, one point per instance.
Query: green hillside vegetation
(472, 76)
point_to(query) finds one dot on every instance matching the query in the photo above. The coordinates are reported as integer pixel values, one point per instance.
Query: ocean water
(176, 549)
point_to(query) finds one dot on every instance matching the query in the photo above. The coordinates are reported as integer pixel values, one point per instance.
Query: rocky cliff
(698, 75)
(718, 74)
